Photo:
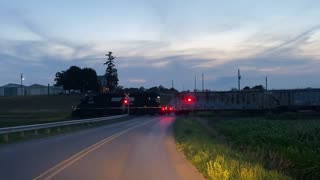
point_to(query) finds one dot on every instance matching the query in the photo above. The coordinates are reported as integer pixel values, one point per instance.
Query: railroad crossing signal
(127, 101)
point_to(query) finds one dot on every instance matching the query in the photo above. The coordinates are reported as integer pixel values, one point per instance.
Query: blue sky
(159, 41)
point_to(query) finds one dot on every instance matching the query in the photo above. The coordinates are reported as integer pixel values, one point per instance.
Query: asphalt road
(142, 148)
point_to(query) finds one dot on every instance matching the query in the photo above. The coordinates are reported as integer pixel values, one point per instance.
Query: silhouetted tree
(76, 78)
(60, 78)
(69, 79)
(111, 73)
(154, 89)
(233, 89)
(89, 80)
(173, 90)
(161, 89)
(142, 89)
(119, 89)
(258, 88)
(247, 88)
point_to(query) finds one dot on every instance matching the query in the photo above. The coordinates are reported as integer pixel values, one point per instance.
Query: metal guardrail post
(22, 134)
(6, 137)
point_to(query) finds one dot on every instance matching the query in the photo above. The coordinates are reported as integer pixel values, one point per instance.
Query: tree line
(86, 79)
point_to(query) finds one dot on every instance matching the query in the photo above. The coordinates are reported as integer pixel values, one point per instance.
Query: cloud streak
(292, 43)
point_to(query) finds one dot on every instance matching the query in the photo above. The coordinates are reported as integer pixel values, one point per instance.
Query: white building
(12, 90)
(35, 89)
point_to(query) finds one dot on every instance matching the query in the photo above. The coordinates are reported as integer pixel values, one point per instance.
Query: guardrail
(35, 127)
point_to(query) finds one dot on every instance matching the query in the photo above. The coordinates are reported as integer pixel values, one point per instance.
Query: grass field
(251, 148)
(23, 110)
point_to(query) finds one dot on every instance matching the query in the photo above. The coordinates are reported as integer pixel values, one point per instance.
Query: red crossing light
(125, 101)
(189, 99)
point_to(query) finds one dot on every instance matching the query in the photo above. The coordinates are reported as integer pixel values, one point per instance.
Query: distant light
(125, 101)
(189, 99)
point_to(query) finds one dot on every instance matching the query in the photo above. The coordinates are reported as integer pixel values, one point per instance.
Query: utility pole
(266, 82)
(21, 78)
(239, 78)
(202, 83)
(172, 84)
(195, 83)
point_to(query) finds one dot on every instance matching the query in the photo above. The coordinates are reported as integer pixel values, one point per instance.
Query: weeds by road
(215, 158)
(291, 146)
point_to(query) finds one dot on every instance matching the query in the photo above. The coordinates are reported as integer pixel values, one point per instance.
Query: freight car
(118, 103)
(249, 101)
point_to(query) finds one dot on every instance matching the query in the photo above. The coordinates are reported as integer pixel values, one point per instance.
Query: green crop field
(251, 148)
(23, 110)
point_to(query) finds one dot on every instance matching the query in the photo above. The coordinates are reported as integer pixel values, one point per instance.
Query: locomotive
(118, 103)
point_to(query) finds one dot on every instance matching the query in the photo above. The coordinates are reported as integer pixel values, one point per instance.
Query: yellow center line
(48, 174)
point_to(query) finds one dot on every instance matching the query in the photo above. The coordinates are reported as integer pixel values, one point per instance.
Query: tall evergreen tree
(111, 73)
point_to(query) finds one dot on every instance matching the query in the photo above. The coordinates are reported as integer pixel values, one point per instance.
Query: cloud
(137, 80)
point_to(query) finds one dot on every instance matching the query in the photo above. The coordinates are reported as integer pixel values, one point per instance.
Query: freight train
(186, 102)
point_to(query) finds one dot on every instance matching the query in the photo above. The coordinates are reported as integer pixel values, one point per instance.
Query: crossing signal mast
(126, 102)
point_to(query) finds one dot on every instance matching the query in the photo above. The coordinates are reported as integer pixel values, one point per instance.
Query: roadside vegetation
(251, 148)
(23, 110)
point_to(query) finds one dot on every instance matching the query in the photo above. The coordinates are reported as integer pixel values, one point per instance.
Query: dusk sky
(156, 41)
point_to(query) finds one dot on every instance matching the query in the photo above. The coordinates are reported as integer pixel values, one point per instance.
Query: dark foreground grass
(291, 146)
(216, 159)
(39, 103)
